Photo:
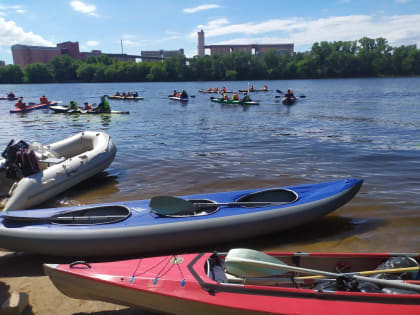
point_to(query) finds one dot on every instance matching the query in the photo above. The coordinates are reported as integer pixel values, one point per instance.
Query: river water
(366, 128)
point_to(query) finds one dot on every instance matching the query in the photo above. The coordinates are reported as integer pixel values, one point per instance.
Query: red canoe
(32, 107)
(199, 284)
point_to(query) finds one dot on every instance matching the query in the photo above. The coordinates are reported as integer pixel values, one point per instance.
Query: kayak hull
(179, 99)
(125, 98)
(32, 107)
(257, 90)
(217, 100)
(165, 233)
(190, 284)
(67, 110)
(2, 98)
(288, 101)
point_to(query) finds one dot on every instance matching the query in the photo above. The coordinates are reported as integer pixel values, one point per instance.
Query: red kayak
(32, 107)
(254, 282)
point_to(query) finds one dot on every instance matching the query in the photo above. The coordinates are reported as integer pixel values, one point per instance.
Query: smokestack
(201, 43)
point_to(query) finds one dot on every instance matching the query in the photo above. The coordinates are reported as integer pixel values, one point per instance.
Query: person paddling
(235, 96)
(290, 94)
(43, 100)
(87, 106)
(11, 95)
(20, 104)
(184, 94)
(73, 105)
(103, 106)
(246, 98)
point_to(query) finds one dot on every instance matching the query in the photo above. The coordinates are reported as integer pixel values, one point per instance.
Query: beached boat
(245, 281)
(125, 98)
(218, 100)
(165, 223)
(67, 110)
(32, 107)
(28, 179)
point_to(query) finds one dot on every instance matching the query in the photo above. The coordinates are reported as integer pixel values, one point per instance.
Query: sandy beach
(24, 273)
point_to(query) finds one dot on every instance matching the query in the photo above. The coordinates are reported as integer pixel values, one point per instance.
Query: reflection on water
(343, 128)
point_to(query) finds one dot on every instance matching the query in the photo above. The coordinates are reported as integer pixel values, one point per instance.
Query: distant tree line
(342, 59)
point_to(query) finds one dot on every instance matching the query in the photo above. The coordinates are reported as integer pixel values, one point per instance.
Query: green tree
(37, 73)
(64, 68)
(11, 74)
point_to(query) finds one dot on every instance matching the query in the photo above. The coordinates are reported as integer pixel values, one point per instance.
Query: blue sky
(164, 24)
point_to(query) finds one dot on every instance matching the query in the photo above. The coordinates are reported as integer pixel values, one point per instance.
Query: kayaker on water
(175, 93)
(73, 105)
(246, 98)
(135, 94)
(87, 106)
(265, 88)
(43, 100)
(290, 94)
(103, 106)
(184, 94)
(235, 96)
(20, 104)
(117, 94)
(11, 95)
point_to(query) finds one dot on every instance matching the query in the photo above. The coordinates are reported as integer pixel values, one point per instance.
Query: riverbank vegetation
(342, 59)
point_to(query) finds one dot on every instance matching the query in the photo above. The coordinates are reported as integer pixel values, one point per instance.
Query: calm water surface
(367, 128)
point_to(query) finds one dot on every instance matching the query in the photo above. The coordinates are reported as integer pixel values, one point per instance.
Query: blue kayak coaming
(142, 231)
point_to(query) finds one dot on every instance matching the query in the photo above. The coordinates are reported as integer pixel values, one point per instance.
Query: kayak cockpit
(280, 195)
(86, 216)
(382, 267)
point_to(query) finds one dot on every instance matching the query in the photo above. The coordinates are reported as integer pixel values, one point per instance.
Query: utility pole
(122, 50)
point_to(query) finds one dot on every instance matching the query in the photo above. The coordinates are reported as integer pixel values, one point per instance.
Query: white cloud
(11, 34)
(91, 43)
(21, 11)
(201, 8)
(84, 8)
(397, 30)
(18, 8)
(128, 36)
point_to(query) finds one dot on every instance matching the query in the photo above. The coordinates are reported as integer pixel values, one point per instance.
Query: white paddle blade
(237, 263)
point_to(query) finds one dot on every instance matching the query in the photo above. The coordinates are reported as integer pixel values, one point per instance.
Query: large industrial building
(254, 49)
(24, 54)
(153, 55)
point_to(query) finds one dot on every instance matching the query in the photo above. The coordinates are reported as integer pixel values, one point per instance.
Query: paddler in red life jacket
(265, 88)
(43, 100)
(224, 89)
(211, 89)
(20, 104)
(217, 89)
(235, 96)
(87, 106)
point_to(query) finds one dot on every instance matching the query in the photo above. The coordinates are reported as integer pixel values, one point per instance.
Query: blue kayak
(131, 227)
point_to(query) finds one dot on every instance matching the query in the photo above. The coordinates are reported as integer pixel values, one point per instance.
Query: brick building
(254, 49)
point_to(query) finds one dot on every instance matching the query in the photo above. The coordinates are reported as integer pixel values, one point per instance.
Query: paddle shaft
(365, 273)
(283, 267)
(232, 204)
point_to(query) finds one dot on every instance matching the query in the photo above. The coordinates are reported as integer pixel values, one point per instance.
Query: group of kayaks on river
(104, 106)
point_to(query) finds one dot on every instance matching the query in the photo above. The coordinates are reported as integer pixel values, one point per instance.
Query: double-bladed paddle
(168, 205)
(247, 262)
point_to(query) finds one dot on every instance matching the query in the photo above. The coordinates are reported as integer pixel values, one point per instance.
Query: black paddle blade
(279, 91)
(168, 205)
